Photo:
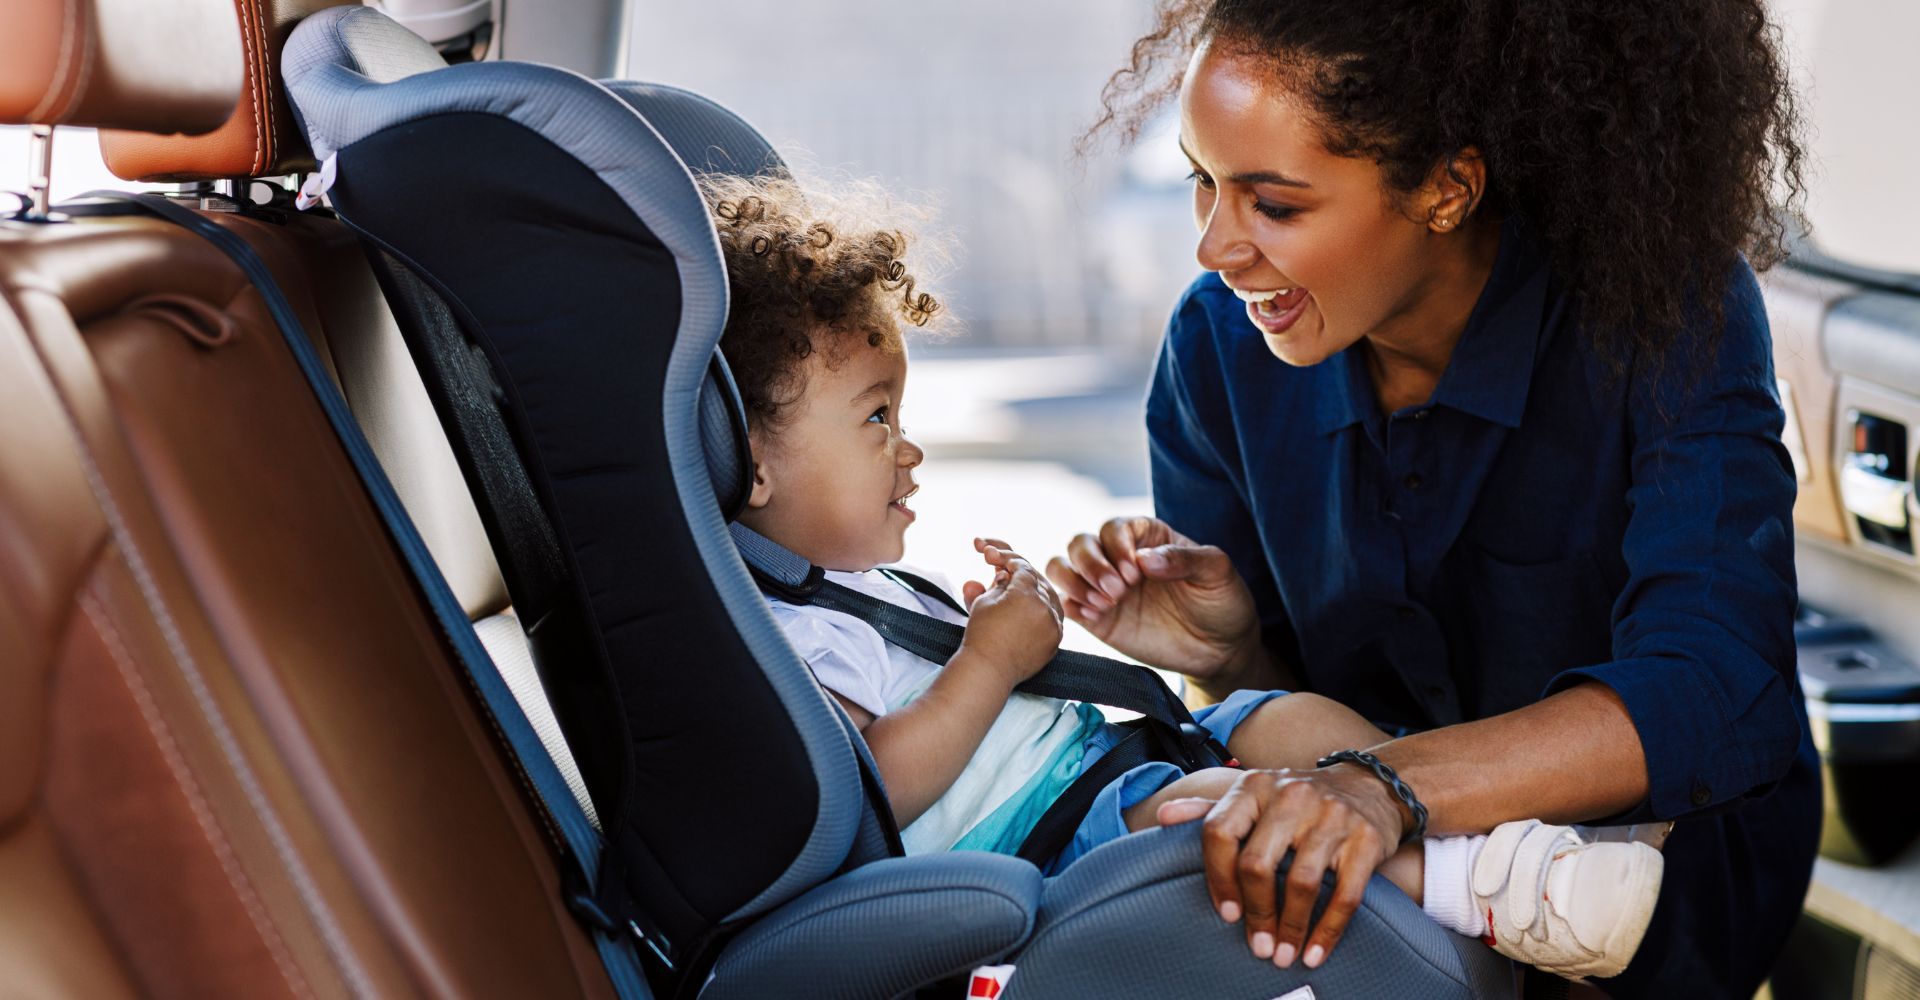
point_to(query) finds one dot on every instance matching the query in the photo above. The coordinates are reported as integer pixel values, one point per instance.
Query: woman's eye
(1201, 179)
(1278, 213)
(878, 416)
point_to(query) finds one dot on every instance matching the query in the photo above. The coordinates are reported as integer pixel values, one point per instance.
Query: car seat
(548, 254)
(235, 758)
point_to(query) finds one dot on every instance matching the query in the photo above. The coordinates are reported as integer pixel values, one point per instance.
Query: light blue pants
(1106, 819)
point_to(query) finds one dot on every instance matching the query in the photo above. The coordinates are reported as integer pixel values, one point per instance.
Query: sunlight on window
(77, 167)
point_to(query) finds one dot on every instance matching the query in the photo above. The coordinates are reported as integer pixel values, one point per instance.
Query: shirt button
(1412, 481)
(1701, 794)
(1421, 414)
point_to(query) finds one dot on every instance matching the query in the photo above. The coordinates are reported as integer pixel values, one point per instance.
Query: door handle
(1874, 497)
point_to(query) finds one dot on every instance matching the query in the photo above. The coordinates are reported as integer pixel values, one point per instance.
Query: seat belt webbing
(582, 841)
(1071, 675)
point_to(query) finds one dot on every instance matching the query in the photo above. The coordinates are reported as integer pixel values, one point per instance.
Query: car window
(1856, 68)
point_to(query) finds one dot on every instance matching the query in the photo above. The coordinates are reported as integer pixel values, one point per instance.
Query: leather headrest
(260, 139)
(172, 66)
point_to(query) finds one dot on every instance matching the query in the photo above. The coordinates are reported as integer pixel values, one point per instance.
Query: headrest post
(39, 174)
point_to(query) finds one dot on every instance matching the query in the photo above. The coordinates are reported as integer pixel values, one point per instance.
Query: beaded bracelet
(1384, 773)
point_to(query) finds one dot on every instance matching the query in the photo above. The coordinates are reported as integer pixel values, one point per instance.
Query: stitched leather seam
(330, 933)
(253, 86)
(88, 41)
(57, 83)
(265, 83)
(176, 762)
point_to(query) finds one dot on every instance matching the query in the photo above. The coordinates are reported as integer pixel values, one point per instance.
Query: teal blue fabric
(1106, 818)
(1006, 828)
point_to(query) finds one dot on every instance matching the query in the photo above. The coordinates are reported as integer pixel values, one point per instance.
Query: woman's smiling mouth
(1276, 310)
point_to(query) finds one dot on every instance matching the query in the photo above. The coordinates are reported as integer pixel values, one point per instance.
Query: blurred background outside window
(1066, 268)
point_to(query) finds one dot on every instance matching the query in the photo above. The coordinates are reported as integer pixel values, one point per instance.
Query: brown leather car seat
(235, 759)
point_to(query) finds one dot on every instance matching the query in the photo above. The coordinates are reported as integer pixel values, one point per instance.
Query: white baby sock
(1446, 891)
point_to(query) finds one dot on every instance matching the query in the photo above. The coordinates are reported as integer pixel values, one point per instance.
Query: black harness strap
(1165, 730)
(1055, 828)
(1071, 675)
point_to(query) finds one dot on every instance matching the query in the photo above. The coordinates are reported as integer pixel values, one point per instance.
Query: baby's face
(832, 482)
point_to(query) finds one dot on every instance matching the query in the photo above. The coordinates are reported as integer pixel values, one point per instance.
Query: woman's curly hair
(810, 272)
(1644, 140)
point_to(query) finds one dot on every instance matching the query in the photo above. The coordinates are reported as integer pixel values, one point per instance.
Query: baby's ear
(762, 488)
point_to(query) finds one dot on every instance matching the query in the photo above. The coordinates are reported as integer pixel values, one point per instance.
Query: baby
(819, 296)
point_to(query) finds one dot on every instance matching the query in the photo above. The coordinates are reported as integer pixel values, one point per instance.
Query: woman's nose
(1223, 243)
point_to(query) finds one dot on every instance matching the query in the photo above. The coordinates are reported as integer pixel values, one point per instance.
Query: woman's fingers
(1120, 536)
(1354, 868)
(1087, 557)
(1263, 816)
(1245, 870)
(1277, 832)
(1225, 830)
(1079, 612)
(1313, 850)
(1076, 588)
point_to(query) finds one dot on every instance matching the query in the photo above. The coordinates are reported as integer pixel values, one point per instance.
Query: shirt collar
(1492, 366)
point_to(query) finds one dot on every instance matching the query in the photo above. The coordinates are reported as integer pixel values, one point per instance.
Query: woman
(1472, 426)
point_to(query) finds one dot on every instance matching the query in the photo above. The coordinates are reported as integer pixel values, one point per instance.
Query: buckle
(587, 907)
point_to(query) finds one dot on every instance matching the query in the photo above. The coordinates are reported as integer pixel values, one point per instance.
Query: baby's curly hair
(810, 272)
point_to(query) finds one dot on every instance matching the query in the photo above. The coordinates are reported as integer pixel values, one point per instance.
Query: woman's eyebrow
(1253, 177)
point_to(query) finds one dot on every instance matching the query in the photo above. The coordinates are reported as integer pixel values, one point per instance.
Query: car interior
(366, 576)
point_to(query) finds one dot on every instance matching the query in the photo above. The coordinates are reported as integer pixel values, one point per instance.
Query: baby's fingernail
(1129, 571)
(1314, 955)
(1230, 912)
(1263, 944)
(1283, 956)
(1112, 585)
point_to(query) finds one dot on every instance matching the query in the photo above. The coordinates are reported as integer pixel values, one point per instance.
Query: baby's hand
(1015, 623)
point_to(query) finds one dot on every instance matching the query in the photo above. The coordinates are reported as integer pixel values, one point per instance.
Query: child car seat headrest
(711, 139)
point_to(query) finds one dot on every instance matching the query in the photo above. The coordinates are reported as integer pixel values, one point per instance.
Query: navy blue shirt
(1541, 522)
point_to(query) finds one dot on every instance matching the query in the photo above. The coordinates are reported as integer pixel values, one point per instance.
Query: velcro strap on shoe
(1530, 861)
(1496, 857)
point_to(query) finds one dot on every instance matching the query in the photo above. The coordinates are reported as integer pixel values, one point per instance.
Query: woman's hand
(1337, 818)
(1014, 623)
(1153, 594)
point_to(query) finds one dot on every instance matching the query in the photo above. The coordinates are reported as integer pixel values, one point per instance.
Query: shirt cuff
(1696, 762)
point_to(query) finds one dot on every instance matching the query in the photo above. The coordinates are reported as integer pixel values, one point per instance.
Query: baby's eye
(879, 416)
